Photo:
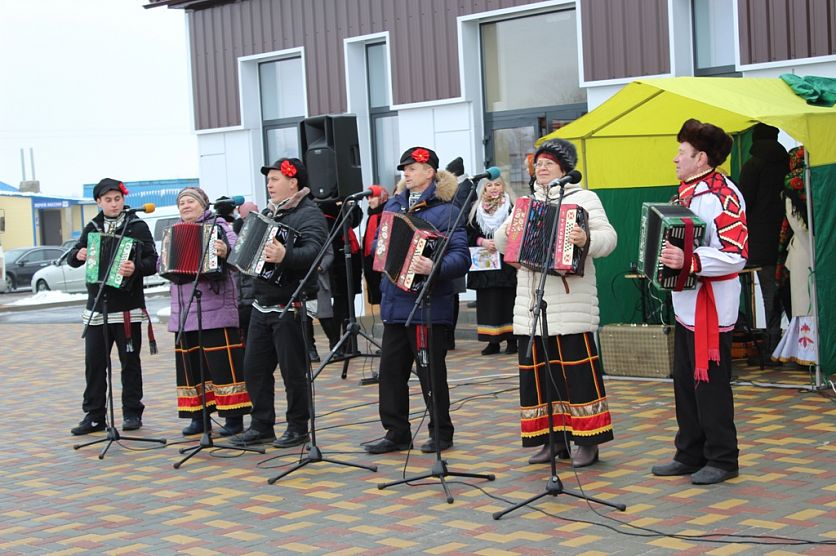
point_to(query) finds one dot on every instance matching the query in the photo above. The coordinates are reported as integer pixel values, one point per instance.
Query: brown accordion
(401, 239)
(248, 253)
(182, 256)
(530, 230)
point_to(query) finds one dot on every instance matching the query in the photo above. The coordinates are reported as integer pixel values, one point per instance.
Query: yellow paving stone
(729, 503)
(369, 530)
(164, 510)
(294, 526)
(445, 548)
(617, 473)
(181, 539)
(17, 513)
(191, 515)
(70, 551)
(495, 552)
(466, 525)
(47, 493)
(807, 470)
(323, 494)
(349, 551)
(707, 519)
(580, 541)
(760, 477)
(389, 509)
(200, 551)
(641, 489)
(344, 518)
(396, 542)
(728, 549)
(638, 508)
(645, 521)
(687, 493)
(300, 514)
(222, 524)
(673, 544)
(115, 518)
(243, 536)
(261, 510)
(806, 514)
(345, 505)
(133, 548)
(773, 525)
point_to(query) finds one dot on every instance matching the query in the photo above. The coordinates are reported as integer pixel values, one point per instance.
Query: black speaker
(332, 155)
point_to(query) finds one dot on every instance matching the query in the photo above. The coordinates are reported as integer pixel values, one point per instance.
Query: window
(281, 85)
(383, 120)
(713, 38)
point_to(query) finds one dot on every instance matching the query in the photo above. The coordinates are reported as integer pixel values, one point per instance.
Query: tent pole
(813, 296)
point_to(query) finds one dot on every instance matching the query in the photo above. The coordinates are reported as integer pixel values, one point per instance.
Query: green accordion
(101, 249)
(674, 223)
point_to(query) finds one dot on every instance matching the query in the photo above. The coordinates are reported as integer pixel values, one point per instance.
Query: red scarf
(352, 237)
(371, 232)
(706, 328)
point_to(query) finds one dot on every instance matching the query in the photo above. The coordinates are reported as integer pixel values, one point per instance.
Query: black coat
(301, 214)
(761, 182)
(506, 277)
(337, 272)
(145, 260)
(372, 277)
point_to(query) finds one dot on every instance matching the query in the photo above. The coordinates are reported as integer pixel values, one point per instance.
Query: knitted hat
(561, 151)
(195, 193)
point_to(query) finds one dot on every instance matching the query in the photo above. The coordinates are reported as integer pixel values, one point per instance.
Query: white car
(60, 276)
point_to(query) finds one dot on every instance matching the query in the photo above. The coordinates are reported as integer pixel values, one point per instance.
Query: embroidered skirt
(226, 391)
(495, 314)
(579, 402)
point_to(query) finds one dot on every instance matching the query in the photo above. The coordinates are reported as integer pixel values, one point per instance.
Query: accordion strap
(688, 251)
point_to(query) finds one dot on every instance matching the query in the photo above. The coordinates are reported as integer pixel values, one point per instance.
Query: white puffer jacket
(577, 311)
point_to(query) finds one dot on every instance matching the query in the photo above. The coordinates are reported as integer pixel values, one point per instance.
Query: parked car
(22, 263)
(60, 276)
(2, 270)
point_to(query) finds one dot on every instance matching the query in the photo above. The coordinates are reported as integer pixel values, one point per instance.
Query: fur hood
(446, 185)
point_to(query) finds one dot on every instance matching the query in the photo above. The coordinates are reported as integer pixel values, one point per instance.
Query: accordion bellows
(401, 239)
(666, 222)
(248, 253)
(182, 256)
(529, 232)
(101, 250)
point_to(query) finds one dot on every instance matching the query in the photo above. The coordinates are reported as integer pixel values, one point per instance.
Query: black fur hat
(561, 151)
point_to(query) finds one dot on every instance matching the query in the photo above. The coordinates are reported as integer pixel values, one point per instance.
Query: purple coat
(218, 297)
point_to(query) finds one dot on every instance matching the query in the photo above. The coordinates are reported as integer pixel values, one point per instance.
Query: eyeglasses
(545, 164)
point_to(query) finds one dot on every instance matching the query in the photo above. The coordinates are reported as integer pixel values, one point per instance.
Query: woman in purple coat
(222, 349)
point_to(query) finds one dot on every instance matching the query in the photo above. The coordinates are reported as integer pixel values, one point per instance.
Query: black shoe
(511, 347)
(131, 423)
(290, 439)
(712, 475)
(232, 425)
(253, 436)
(428, 447)
(385, 445)
(88, 424)
(313, 355)
(673, 468)
(195, 427)
(490, 349)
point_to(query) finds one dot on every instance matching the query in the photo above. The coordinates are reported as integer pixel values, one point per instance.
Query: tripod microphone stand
(112, 432)
(206, 437)
(314, 452)
(352, 328)
(439, 468)
(554, 486)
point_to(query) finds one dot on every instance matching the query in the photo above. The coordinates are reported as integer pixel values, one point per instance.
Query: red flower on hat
(123, 189)
(797, 183)
(288, 169)
(420, 155)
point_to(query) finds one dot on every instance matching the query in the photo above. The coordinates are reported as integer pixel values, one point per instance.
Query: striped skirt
(579, 402)
(495, 314)
(226, 391)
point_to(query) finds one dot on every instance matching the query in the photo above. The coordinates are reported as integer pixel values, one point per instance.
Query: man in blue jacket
(426, 193)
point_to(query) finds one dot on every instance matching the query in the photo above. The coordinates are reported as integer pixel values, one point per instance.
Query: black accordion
(529, 231)
(401, 239)
(674, 223)
(248, 253)
(101, 250)
(182, 256)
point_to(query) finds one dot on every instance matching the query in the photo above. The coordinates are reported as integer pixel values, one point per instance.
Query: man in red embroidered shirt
(706, 442)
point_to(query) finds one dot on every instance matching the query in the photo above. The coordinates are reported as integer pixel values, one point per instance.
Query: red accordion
(181, 253)
(401, 239)
(529, 231)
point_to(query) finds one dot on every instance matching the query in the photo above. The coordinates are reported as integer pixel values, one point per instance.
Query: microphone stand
(554, 486)
(314, 452)
(439, 468)
(352, 329)
(112, 432)
(205, 438)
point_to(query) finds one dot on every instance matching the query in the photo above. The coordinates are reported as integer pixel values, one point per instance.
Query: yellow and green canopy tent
(627, 144)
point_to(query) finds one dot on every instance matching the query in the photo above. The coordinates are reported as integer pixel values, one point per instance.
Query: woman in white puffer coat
(580, 408)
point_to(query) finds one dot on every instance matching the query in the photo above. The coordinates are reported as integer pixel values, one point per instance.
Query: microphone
(372, 191)
(572, 177)
(234, 201)
(147, 207)
(491, 173)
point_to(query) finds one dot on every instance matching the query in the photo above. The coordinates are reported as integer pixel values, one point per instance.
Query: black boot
(195, 427)
(511, 346)
(490, 349)
(232, 425)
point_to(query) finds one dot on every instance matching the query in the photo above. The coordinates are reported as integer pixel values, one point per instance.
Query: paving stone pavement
(57, 500)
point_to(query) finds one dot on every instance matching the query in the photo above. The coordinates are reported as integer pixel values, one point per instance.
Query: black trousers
(704, 412)
(399, 353)
(272, 341)
(96, 354)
